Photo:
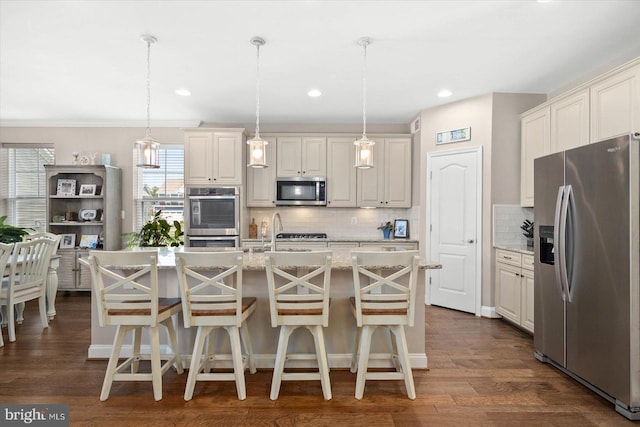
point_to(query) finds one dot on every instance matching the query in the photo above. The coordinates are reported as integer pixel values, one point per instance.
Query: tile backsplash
(336, 222)
(507, 220)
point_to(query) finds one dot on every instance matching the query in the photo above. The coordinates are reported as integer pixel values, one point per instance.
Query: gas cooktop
(301, 236)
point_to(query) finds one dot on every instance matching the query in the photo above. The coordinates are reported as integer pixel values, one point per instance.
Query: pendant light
(257, 145)
(147, 149)
(364, 146)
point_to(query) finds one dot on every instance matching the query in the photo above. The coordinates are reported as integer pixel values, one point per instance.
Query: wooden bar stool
(131, 306)
(384, 302)
(299, 300)
(211, 301)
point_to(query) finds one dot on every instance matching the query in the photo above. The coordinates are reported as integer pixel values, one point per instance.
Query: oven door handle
(212, 197)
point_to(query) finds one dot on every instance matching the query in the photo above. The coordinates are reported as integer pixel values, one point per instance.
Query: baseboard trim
(490, 312)
(263, 361)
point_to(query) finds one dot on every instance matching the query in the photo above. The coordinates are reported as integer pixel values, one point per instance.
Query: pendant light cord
(364, 90)
(257, 136)
(148, 90)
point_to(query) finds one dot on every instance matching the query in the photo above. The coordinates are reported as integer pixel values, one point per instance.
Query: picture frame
(66, 187)
(401, 229)
(87, 190)
(89, 241)
(68, 241)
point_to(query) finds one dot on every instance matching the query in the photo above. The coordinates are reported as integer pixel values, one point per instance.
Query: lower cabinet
(514, 287)
(72, 276)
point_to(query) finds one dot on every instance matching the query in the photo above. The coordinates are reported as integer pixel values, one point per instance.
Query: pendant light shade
(257, 145)
(147, 149)
(364, 146)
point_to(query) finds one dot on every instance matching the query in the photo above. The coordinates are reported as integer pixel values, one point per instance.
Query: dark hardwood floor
(482, 372)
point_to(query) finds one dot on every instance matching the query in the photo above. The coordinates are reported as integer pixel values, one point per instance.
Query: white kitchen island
(339, 335)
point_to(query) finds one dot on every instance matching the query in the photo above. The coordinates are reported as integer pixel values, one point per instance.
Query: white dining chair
(211, 291)
(5, 251)
(299, 285)
(51, 288)
(385, 293)
(125, 286)
(26, 280)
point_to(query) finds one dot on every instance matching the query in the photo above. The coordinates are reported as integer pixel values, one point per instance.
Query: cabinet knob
(470, 241)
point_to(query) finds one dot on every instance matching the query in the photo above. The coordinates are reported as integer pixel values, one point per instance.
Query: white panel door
(454, 184)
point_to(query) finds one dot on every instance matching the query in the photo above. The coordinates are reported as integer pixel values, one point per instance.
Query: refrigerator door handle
(564, 219)
(557, 232)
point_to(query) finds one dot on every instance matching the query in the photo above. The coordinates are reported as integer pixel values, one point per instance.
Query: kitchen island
(339, 335)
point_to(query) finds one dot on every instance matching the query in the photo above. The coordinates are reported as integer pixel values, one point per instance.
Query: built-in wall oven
(213, 217)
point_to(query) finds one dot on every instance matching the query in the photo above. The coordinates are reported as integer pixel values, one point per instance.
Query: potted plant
(157, 232)
(387, 228)
(10, 233)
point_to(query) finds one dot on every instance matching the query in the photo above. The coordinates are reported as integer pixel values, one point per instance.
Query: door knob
(470, 241)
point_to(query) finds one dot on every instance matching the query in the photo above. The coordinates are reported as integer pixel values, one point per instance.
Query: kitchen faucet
(273, 229)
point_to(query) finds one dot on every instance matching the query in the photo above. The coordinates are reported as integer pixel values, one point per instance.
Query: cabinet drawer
(527, 262)
(508, 257)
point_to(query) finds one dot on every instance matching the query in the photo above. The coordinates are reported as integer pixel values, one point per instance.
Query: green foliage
(386, 226)
(156, 232)
(10, 233)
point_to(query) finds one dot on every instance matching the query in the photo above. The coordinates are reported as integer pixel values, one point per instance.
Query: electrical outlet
(354, 220)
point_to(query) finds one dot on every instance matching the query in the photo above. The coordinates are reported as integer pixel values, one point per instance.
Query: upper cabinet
(213, 156)
(570, 121)
(535, 143)
(615, 105)
(261, 182)
(341, 174)
(388, 184)
(301, 156)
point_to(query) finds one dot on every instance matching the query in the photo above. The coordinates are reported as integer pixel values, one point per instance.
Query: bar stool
(299, 300)
(214, 301)
(130, 305)
(383, 302)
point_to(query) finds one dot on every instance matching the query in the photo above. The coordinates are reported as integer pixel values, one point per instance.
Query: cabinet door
(344, 245)
(570, 122)
(341, 175)
(66, 271)
(615, 105)
(228, 166)
(370, 182)
(289, 156)
(314, 156)
(508, 290)
(526, 317)
(198, 158)
(535, 143)
(261, 182)
(397, 172)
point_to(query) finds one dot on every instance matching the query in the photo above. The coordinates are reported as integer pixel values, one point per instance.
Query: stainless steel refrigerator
(587, 293)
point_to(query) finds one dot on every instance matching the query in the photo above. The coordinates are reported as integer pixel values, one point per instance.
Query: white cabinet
(261, 182)
(615, 105)
(514, 287)
(76, 214)
(570, 122)
(388, 184)
(341, 174)
(535, 143)
(213, 156)
(301, 156)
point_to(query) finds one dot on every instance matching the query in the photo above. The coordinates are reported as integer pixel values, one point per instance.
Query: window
(23, 184)
(161, 189)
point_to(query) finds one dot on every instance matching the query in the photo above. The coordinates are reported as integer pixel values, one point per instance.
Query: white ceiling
(82, 62)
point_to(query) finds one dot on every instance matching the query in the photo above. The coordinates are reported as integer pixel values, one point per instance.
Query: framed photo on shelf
(401, 229)
(89, 241)
(66, 187)
(88, 190)
(68, 241)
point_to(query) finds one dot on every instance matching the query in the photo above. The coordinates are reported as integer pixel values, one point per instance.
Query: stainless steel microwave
(301, 191)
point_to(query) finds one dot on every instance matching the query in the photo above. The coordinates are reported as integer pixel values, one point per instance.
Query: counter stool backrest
(296, 295)
(384, 297)
(117, 292)
(217, 292)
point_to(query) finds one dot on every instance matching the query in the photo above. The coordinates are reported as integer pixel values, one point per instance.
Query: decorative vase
(386, 233)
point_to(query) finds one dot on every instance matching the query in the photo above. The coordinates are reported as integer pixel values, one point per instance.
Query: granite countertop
(331, 239)
(341, 259)
(523, 249)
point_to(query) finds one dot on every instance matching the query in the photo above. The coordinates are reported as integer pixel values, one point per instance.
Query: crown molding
(100, 124)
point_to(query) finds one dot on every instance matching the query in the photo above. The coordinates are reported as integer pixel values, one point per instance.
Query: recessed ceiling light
(444, 93)
(314, 93)
(183, 92)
